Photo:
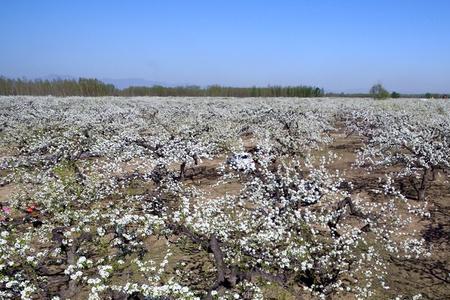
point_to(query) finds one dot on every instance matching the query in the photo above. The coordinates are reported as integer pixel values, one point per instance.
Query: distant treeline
(94, 87)
(57, 87)
(91, 87)
(392, 95)
(222, 91)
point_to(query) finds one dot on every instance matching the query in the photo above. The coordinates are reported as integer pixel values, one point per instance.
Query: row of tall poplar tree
(91, 87)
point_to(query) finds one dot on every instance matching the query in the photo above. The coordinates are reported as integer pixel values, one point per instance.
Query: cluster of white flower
(103, 205)
(415, 139)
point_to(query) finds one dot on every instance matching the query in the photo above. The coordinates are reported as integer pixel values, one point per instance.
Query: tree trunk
(421, 194)
(433, 174)
(421, 186)
(182, 169)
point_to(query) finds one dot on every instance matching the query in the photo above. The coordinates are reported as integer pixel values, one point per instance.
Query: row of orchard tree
(95, 87)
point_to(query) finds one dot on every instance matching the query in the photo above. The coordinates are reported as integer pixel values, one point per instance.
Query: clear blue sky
(339, 45)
